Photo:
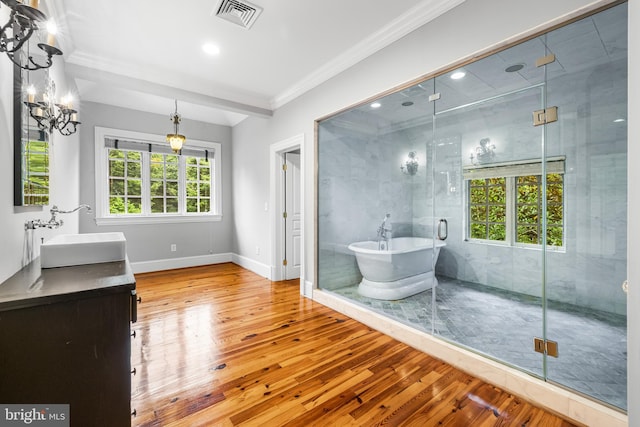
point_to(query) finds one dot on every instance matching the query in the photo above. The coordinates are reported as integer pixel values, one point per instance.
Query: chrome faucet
(384, 233)
(53, 222)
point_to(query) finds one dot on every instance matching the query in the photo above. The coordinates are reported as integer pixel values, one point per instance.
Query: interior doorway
(287, 213)
(291, 215)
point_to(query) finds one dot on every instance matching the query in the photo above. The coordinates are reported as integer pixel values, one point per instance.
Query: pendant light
(175, 140)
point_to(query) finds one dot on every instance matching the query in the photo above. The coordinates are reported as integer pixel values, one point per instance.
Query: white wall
(64, 176)
(150, 243)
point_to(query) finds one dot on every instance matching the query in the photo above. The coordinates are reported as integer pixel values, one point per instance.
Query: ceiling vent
(238, 12)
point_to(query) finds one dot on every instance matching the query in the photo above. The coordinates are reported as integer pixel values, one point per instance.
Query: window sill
(165, 219)
(558, 249)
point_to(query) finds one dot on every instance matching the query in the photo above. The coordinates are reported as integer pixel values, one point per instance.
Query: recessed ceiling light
(458, 75)
(407, 103)
(513, 68)
(211, 49)
(376, 105)
(618, 120)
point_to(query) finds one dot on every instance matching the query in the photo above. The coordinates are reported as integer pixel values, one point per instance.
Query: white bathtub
(403, 270)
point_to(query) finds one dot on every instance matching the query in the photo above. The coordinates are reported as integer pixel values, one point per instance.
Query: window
(164, 183)
(488, 208)
(125, 182)
(505, 203)
(198, 185)
(139, 179)
(35, 169)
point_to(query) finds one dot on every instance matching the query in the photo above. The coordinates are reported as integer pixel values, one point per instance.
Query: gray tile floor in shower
(592, 345)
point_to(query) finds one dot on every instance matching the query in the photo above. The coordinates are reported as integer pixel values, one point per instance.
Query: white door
(293, 225)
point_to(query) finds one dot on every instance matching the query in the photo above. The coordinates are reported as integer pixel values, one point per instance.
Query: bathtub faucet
(384, 233)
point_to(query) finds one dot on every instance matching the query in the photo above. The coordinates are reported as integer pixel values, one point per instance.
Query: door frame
(276, 199)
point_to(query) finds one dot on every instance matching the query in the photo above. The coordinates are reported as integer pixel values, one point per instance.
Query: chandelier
(24, 21)
(51, 115)
(175, 140)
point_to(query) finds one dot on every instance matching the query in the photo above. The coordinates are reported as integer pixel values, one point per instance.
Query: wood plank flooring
(220, 346)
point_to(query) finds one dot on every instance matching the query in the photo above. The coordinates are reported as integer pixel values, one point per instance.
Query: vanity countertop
(33, 286)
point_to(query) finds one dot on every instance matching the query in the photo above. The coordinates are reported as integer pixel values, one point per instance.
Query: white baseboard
(195, 261)
(308, 289)
(259, 268)
(172, 263)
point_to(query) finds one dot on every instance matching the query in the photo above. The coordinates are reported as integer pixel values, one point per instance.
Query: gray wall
(151, 242)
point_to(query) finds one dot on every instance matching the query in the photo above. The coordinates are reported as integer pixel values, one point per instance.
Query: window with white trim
(139, 179)
(505, 203)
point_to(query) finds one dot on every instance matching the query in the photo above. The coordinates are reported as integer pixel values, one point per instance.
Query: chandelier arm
(22, 24)
(62, 119)
(41, 121)
(34, 65)
(4, 39)
(19, 38)
(66, 130)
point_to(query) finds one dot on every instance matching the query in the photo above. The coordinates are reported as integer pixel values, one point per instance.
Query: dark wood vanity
(65, 338)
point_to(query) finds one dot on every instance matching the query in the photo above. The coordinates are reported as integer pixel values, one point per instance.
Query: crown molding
(171, 92)
(413, 19)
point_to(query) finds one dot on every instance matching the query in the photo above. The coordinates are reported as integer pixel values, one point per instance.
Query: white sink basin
(79, 249)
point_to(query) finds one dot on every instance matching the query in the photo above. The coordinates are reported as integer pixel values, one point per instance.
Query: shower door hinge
(549, 115)
(547, 347)
(434, 97)
(545, 60)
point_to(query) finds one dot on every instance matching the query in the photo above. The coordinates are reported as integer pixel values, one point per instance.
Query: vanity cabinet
(73, 346)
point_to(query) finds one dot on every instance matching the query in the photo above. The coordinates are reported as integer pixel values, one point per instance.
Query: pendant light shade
(175, 140)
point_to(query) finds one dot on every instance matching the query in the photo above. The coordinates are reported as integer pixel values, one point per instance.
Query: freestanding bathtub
(403, 270)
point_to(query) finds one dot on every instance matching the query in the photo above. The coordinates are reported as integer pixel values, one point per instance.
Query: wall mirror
(30, 144)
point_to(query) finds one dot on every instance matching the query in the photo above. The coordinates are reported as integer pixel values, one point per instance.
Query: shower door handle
(446, 229)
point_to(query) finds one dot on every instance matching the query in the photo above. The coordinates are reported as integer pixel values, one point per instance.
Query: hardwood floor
(219, 345)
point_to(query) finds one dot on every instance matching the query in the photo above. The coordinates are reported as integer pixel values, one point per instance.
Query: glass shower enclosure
(512, 169)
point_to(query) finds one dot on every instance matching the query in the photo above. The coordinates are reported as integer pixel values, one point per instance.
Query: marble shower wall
(360, 183)
(360, 180)
(589, 270)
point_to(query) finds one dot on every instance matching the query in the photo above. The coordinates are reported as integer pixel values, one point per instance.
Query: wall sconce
(483, 153)
(24, 21)
(175, 140)
(50, 115)
(410, 166)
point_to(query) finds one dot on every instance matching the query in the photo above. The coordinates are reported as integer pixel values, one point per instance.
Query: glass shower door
(585, 268)
(489, 296)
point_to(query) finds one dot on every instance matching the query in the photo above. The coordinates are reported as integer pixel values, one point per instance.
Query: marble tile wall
(360, 181)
